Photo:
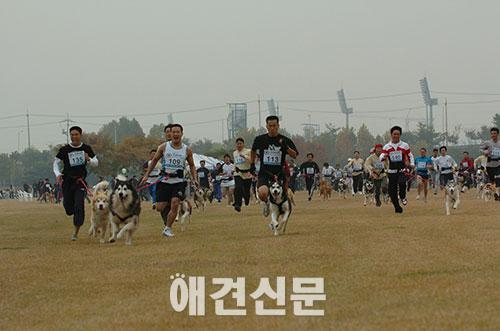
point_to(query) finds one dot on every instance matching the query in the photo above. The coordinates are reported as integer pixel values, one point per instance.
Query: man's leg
(247, 183)
(393, 191)
(79, 210)
(378, 185)
(238, 192)
(402, 186)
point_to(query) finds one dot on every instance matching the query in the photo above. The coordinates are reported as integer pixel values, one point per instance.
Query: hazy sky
(139, 57)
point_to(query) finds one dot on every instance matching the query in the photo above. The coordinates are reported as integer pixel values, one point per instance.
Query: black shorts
(423, 175)
(265, 179)
(165, 192)
(445, 178)
(493, 174)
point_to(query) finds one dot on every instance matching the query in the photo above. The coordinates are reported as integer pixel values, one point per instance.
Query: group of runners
(172, 163)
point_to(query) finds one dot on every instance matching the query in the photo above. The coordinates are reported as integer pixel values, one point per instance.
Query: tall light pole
(343, 107)
(28, 127)
(428, 101)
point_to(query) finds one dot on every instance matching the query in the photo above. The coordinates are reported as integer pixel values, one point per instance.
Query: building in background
(237, 119)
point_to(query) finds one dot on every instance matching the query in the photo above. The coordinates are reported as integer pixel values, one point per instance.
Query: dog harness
(280, 205)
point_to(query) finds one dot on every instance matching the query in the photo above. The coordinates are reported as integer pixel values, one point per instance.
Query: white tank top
(174, 162)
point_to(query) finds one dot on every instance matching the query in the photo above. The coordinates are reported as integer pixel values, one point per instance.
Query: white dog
(369, 192)
(452, 195)
(99, 215)
(280, 207)
(184, 213)
(200, 198)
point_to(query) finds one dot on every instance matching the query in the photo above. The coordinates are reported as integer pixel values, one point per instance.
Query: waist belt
(393, 171)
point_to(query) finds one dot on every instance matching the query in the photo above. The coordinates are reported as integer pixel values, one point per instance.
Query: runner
(170, 191)
(74, 157)
(491, 149)
(377, 171)
(423, 164)
(242, 176)
(434, 173)
(310, 170)
(357, 173)
(168, 132)
(466, 170)
(203, 176)
(272, 147)
(327, 172)
(294, 173)
(153, 176)
(399, 155)
(446, 166)
(216, 180)
(227, 180)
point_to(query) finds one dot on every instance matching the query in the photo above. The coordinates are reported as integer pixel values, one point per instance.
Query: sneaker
(167, 232)
(237, 208)
(378, 204)
(404, 201)
(418, 197)
(154, 206)
(74, 237)
(398, 209)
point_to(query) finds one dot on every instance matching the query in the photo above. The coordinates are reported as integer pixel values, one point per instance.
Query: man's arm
(192, 168)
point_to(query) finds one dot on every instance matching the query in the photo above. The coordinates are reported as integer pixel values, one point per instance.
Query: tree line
(123, 144)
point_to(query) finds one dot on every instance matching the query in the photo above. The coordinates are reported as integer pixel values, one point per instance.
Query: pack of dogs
(115, 211)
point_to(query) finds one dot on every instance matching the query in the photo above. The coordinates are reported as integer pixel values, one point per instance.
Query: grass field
(419, 270)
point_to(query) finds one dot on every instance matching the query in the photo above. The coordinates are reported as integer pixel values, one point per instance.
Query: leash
(82, 182)
(152, 184)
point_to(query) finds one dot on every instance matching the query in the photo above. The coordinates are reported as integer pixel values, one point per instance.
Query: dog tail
(102, 186)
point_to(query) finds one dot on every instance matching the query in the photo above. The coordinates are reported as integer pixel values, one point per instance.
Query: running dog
(369, 192)
(342, 187)
(125, 208)
(325, 189)
(99, 215)
(488, 192)
(452, 196)
(184, 213)
(200, 198)
(280, 207)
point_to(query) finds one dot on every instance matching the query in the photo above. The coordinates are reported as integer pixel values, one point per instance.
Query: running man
(227, 180)
(491, 149)
(153, 177)
(400, 157)
(327, 172)
(377, 171)
(357, 173)
(446, 166)
(74, 157)
(203, 176)
(170, 191)
(434, 172)
(242, 175)
(423, 164)
(272, 148)
(310, 170)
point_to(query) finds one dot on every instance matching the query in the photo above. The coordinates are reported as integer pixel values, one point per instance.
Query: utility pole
(67, 128)
(260, 123)
(28, 127)
(343, 107)
(446, 122)
(116, 140)
(222, 129)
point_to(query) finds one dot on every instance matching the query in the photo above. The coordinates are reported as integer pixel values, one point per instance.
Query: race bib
(465, 165)
(310, 171)
(495, 153)
(396, 156)
(421, 165)
(239, 160)
(173, 163)
(76, 158)
(272, 157)
(379, 165)
(201, 174)
(357, 167)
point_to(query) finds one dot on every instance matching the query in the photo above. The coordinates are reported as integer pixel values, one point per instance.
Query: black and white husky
(124, 208)
(452, 195)
(280, 207)
(368, 192)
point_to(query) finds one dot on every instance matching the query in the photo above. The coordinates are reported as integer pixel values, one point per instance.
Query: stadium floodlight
(428, 101)
(343, 107)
